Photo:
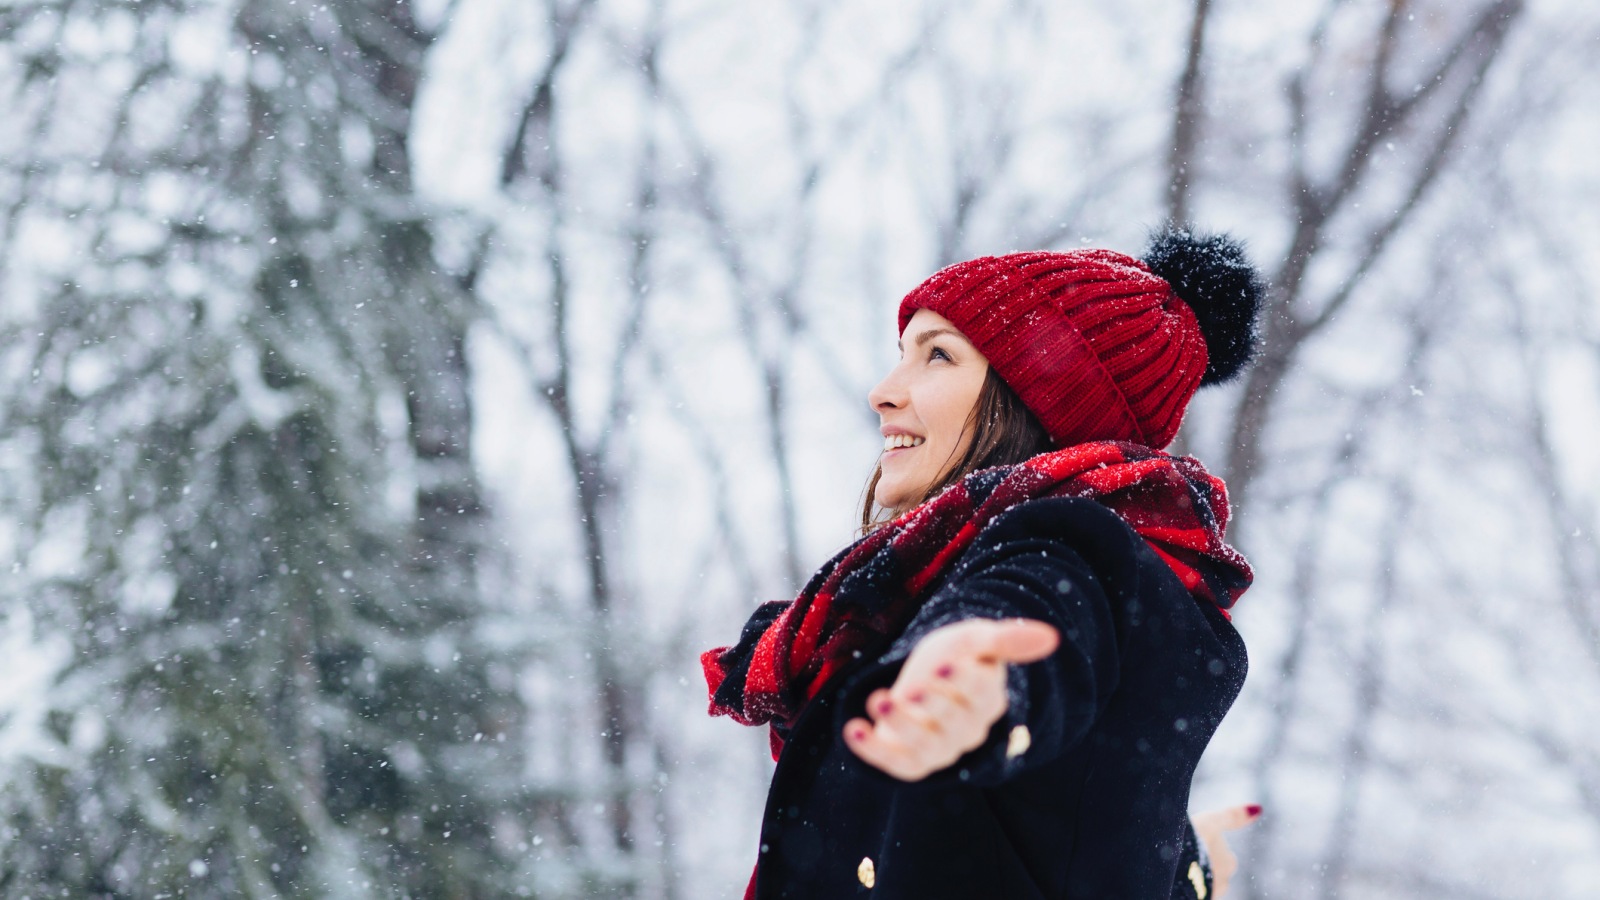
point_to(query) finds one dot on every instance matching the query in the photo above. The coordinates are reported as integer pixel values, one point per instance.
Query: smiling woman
(943, 398)
(1003, 688)
(927, 405)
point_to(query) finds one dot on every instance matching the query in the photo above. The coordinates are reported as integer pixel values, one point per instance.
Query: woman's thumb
(1022, 641)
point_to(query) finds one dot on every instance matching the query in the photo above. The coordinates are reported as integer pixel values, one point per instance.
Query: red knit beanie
(1101, 346)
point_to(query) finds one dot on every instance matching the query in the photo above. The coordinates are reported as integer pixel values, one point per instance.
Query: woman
(1003, 688)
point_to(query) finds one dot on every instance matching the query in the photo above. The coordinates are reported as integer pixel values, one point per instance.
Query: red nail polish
(885, 707)
(859, 734)
(1252, 810)
(915, 697)
(946, 670)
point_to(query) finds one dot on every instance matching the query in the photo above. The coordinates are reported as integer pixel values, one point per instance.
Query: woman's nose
(888, 394)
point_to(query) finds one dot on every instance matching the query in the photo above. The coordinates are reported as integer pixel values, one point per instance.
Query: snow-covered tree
(237, 432)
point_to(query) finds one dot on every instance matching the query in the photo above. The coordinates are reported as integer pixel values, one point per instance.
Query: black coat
(1115, 721)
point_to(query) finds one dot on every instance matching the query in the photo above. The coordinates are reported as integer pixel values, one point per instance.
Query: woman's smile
(898, 441)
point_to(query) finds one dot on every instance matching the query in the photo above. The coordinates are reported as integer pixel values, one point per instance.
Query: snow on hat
(1099, 345)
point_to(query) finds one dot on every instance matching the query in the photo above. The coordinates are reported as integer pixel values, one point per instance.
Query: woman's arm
(947, 697)
(970, 689)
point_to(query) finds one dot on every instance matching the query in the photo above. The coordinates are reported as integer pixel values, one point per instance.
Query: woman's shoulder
(1081, 539)
(1075, 525)
(1048, 541)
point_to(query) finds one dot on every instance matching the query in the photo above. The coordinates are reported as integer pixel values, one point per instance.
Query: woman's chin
(887, 499)
(892, 494)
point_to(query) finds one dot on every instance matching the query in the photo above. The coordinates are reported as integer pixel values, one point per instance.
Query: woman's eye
(937, 353)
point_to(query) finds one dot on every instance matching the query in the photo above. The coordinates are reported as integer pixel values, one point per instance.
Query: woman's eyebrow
(932, 333)
(926, 336)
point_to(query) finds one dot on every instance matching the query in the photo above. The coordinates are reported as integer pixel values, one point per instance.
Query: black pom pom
(1211, 273)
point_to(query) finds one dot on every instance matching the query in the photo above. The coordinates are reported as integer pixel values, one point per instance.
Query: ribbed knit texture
(1097, 346)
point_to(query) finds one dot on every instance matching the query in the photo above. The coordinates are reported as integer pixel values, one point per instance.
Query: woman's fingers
(1211, 827)
(878, 750)
(1232, 818)
(1223, 865)
(888, 749)
(933, 719)
(956, 713)
(962, 700)
(916, 730)
(892, 708)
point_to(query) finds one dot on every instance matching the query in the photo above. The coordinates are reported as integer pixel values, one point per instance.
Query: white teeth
(896, 441)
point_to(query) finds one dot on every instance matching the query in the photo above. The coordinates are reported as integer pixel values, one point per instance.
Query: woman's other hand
(1212, 827)
(948, 695)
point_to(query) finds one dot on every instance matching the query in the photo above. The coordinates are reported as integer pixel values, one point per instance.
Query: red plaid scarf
(865, 596)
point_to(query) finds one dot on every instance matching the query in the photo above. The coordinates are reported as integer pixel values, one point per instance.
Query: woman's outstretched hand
(1211, 827)
(951, 690)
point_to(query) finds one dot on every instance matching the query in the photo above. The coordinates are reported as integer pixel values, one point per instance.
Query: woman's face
(924, 407)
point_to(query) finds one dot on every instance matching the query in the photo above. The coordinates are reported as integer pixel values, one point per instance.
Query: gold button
(867, 873)
(1019, 742)
(1198, 879)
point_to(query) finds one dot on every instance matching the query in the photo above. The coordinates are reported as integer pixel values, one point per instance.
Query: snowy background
(396, 397)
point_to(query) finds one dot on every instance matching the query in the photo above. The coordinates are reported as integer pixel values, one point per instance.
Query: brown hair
(1004, 432)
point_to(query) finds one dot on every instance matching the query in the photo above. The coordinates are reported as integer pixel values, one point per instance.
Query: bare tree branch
(532, 133)
(1285, 333)
(1577, 550)
(1284, 707)
(1188, 111)
(1369, 694)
